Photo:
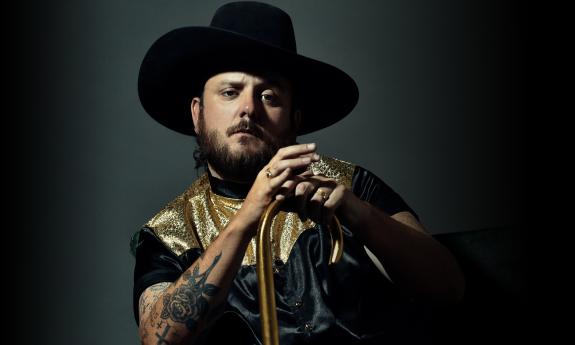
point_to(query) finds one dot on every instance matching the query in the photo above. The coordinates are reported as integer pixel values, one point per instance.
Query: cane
(264, 269)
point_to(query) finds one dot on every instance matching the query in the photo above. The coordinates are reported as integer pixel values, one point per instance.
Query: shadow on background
(494, 308)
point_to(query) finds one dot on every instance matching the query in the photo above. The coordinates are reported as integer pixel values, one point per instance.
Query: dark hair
(199, 156)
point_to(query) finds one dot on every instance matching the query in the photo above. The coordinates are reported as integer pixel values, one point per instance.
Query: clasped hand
(286, 175)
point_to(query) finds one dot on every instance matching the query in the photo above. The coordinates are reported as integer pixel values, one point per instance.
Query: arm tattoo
(149, 297)
(162, 337)
(159, 287)
(187, 304)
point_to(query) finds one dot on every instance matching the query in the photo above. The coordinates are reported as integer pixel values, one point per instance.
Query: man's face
(241, 123)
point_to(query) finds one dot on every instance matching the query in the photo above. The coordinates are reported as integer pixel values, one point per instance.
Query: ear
(195, 108)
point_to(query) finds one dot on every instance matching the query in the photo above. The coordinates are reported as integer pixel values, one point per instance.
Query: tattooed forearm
(162, 338)
(188, 304)
(159, 287)
(149, 297)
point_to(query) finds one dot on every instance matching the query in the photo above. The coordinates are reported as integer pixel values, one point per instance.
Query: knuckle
(340, 190)
(308, 189)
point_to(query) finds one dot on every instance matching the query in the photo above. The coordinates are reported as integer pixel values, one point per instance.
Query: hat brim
(177, 65)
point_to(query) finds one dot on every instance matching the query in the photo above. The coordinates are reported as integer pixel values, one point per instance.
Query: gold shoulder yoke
(195, 218)
(171, 224)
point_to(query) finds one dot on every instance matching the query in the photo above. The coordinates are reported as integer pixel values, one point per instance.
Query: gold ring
(268, 173)
(324, 195)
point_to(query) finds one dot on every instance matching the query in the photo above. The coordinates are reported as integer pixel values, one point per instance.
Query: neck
(219, 176)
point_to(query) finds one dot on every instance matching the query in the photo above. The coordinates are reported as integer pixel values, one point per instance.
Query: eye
(229, 93)
(268, 97)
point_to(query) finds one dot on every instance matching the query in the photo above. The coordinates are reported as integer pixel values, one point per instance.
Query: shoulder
(349, 174)
(171, 224)
(371, 188)
(334, 168)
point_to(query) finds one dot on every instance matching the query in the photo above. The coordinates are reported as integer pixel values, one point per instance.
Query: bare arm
(176, 313)
(414, 260)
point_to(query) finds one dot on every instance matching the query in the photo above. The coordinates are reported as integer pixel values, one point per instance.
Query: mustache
(246, 126)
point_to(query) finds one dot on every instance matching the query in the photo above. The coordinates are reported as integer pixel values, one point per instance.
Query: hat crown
(257, 21)
(248, 36)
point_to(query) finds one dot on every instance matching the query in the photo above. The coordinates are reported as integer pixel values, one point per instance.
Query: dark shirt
(350, 302)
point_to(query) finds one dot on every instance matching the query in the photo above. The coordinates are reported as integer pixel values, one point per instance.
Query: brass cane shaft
(264, 269)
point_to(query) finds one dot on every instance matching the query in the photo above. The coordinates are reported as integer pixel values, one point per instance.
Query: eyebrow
(231, 82)
(273, 82)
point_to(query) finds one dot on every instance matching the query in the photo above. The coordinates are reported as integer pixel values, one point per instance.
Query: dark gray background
(437, 119)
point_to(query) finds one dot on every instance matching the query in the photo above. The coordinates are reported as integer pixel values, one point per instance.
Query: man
(241, 88)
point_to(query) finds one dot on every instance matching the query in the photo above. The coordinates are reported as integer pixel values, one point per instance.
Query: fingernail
(315, 156)
(306, 160)
(311, 146)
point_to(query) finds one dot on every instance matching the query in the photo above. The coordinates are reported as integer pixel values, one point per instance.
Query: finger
(315, 203)
(286, 189)
(321, 195)
(302, 190)
(306, 174)
(289, 184)
(276, 182)
(322, 179)
(295, 150)
(311, 154)
(307, 171)
(335, 198)
(308, 203)
(285, 179)
(293, 163)
(332, 203)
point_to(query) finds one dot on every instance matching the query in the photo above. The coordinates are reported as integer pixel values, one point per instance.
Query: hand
(275, 179)
(318, 197)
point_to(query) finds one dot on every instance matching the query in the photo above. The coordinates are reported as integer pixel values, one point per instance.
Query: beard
(239, 166)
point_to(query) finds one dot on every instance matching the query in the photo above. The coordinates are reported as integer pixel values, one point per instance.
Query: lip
(244, 132)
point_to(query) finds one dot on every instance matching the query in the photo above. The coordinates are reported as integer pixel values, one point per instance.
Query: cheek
(281, 121)
(217, 120)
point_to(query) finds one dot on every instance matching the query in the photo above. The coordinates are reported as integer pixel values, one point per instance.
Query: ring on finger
(268, 173)
(324, 195)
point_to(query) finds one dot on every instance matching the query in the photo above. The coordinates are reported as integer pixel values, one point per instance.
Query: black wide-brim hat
(243, 36)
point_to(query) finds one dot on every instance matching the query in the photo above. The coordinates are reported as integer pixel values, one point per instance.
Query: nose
(248, 104)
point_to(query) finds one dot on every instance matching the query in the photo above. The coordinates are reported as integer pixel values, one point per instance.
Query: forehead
(239, 77)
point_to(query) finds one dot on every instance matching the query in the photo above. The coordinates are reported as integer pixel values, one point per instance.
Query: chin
(245, 142)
